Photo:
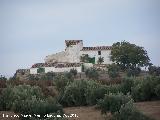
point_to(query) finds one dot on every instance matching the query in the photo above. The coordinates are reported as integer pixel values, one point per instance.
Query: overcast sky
(33, 29)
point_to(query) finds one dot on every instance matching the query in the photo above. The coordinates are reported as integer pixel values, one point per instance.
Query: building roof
(22, 70)
(72, 42)
(56, 65)
(97, 48)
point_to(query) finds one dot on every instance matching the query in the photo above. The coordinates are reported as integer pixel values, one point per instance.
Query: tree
(100, 60)
(129, 55)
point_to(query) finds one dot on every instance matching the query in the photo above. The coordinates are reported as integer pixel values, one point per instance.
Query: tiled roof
(56, 65)
(22, 70)
(43, 65)
(97, 48)
(72, 42)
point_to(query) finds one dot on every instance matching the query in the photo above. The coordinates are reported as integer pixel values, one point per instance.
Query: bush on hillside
(133, 71)
(62, 80)
(126, 85)
(113, 71)
(153, 70)
(145, 89)
(74, 94)
(3, 80)
(129, 112)
(157, 90)
(27, 99)
(112, 102)
(73, 72)
(86, 92)
(92, 73)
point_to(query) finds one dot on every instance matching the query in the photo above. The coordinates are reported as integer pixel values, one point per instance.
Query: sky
(33, 29)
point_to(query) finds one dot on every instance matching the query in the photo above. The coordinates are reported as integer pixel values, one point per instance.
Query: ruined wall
(70, 55)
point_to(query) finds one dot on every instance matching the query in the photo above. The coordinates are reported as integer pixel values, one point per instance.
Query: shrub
(126, 85)
(112, 102)
(94, 92)
(25, 99)
(92, 73)
(3, 81)
(41, 70)
(61, 81)
(73, 72)
(153, 70)
(89, 90)
(145, 89)
(133, 71)
(129, 112)
(36, 106)
(113, 71)
(157, 90)
(74, 94)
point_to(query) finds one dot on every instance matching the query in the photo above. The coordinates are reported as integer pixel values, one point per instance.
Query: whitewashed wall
(33, 70)
(94, 53)
(53, 69)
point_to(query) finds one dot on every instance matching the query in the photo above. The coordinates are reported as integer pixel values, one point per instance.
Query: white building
(71, 58)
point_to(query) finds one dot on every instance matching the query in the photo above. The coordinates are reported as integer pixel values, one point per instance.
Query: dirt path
(151, 109)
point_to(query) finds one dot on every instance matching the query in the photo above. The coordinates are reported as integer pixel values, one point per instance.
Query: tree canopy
(129, 55)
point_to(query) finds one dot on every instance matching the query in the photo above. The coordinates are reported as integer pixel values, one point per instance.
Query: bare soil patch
(151, 109)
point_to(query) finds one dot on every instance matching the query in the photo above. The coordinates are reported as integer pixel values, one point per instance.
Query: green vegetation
(46, 93)
(25, 99)
(153, 70)
(41, 70)
(86, 59)
(113, 102)
(100, 60)
(113, 71)
(92, 73)
(129, 112)
(129, 55)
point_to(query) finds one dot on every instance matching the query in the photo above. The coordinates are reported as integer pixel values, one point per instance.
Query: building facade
(71, 58)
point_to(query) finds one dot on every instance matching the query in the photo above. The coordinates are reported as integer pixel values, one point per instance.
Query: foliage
(74, 94)
(41, 70)
(73, 72)
(157, 90)
(128, 55)
(94, 92)
(129, 112)
(86, 59)
(144, 89)
(126, 85)
(62, 80)
(133, 71)
(92, 73)
(3, 81)
(33, 77)
(83, 92)
(100, 60)
(112, 102)
(3, 77)
(48, 76)
(153, 70)
(113, 71)
(25, 99)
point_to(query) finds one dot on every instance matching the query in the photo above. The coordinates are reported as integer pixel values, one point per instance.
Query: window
(99, 52)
